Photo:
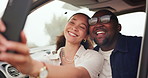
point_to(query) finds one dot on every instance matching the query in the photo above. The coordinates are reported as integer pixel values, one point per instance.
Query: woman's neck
(71, 49)
(68, 54)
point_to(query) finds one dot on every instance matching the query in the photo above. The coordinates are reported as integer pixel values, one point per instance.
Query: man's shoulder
(132, 41)
(132, 38)
(125, 41)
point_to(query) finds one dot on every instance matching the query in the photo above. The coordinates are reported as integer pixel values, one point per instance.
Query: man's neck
(110, 45)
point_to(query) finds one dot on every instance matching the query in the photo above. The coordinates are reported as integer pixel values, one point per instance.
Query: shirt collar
(80, 51)
(57, 54)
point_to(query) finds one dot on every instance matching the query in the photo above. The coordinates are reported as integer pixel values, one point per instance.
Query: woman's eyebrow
(74, 19)
(81, 23)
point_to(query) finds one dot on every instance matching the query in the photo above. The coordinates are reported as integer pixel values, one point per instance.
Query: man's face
(104, 33)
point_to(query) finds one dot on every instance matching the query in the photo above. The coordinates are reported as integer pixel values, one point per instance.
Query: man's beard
(103, 43)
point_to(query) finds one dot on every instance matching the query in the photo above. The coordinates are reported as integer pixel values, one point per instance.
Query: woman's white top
(91, 60)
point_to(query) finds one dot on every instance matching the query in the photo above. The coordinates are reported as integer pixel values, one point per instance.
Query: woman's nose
(75, 28)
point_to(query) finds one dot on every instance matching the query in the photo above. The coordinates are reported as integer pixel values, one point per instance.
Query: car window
(133, 23)
(2, 6)
(48, 21)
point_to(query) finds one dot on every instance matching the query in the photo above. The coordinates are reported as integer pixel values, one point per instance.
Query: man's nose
(99, 24)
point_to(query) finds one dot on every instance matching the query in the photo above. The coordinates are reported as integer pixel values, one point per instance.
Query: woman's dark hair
(61, 39)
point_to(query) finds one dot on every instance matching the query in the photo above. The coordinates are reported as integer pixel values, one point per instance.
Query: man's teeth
(100, 32)
(72, 34)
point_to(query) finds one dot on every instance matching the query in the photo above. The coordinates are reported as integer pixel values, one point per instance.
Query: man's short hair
(108, 13)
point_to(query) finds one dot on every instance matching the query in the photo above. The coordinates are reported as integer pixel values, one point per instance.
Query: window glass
(133, 23)
(3, 5)
(48, 21)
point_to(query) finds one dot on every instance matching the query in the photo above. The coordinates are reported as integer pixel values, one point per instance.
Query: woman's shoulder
(93, 53)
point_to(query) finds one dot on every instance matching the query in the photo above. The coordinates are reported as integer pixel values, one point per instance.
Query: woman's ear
(89, 42)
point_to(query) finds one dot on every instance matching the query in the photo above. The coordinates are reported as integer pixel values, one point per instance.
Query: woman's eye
(82, 27)
(71, 22)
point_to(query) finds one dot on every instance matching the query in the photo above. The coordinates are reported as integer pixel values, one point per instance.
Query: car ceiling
(117, 6)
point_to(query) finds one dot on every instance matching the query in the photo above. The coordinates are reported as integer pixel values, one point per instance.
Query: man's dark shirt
(124, 58)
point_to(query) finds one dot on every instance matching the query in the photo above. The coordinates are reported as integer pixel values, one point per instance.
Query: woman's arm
(25, 64)
(67, 72)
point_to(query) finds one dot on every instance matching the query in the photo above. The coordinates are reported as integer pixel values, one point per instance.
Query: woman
(71, 60)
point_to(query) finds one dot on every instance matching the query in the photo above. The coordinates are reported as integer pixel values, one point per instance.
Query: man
(121, 52)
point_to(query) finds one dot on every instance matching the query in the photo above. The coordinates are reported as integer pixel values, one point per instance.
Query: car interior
(119, 7)
(48, 17)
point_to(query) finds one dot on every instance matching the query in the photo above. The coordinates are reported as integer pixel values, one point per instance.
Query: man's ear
(119, 27)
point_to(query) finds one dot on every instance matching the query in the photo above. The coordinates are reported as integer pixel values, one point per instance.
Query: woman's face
(76, 29)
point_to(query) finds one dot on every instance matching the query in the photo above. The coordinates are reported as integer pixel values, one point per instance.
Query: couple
(117, 55)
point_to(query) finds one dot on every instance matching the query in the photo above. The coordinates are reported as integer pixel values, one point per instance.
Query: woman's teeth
(72, 34)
